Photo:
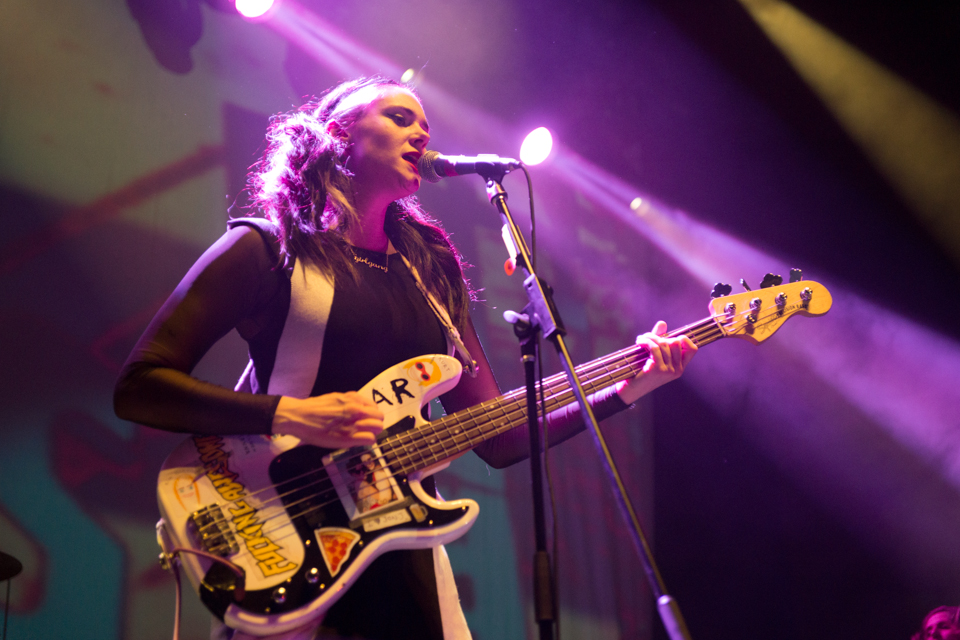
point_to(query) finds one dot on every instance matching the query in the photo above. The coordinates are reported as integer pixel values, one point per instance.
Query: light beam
(911, 139)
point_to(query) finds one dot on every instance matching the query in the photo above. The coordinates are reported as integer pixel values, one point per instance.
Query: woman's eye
(399, 119)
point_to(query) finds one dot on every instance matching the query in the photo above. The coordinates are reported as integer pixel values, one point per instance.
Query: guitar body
(303, 522)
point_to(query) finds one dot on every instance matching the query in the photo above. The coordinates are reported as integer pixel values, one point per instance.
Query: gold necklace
(383, 267)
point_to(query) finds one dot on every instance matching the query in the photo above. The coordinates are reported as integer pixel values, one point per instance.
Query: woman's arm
(234, 280)
(155, 388)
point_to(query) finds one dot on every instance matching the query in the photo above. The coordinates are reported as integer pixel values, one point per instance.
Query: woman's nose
(420, 140)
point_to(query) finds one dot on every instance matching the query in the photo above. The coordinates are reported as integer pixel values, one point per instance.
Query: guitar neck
(434, 442)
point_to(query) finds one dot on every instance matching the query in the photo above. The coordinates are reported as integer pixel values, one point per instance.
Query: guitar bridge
(213, 530)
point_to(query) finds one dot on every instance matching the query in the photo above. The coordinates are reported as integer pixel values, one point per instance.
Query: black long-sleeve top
(237, 284)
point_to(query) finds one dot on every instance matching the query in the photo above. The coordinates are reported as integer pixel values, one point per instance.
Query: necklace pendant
(382, 267)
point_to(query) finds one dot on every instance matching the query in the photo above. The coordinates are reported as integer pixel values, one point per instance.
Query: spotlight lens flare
(407, 76)
(253, 8)
(536, 146)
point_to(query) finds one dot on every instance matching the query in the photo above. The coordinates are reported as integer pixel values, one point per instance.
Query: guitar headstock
(756, 315)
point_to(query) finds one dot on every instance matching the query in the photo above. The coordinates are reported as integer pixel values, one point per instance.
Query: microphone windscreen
(425, 166)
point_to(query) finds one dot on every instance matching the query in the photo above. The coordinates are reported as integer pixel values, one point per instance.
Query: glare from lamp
(253, 8)
(407, 76)
(536, 146)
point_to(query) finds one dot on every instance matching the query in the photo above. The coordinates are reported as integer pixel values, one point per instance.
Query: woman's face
(385, 143)
(940, 626)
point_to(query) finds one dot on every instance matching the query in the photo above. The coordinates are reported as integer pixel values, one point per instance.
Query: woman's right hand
(333, 420)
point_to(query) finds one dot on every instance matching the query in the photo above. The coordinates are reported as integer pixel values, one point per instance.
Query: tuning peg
(770, 280)
(720, 289)
(796, 275)
(743, 283)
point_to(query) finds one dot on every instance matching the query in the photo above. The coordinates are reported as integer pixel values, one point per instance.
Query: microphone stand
(541, 314)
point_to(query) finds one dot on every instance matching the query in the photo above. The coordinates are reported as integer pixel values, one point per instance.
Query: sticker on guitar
(335, 545)
(420, 372)
(243, 516)
(362, 482)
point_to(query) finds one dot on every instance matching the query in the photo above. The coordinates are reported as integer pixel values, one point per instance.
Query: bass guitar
(271, 532)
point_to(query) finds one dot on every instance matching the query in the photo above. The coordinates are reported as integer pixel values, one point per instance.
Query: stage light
(636, 203)
(536, 146)
(912, 139)
(407, 76)
(254, 8)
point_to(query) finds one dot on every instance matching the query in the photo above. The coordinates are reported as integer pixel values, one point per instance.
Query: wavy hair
(302, 185)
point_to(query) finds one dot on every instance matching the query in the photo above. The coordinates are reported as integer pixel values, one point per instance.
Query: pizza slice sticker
(335, 546)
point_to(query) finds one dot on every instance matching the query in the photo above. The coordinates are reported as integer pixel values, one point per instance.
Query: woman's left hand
(668, 358)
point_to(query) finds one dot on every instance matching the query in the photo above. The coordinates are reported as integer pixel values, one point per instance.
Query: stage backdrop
(127, 132)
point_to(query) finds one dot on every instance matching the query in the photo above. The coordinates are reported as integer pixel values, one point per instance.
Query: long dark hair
(303, 187)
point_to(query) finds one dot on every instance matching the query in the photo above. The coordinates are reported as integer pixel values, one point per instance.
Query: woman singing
(341, 276)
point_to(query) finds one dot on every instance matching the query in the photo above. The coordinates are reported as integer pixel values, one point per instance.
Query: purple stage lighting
(536, 146)
(254, 8)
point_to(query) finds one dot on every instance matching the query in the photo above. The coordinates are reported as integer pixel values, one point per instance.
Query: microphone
(433, 165)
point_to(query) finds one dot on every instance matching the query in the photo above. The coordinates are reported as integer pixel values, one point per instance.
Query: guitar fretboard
(441, 439)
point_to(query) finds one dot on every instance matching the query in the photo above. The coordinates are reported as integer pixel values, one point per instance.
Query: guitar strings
(628, 359)
(326, 486)
(702, 332)
(708, 333)
(555, 399)
(405, 459)
(711, 326)
(481, 436)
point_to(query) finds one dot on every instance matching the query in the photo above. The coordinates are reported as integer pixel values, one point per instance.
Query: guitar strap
(454, 342)
(298, 351)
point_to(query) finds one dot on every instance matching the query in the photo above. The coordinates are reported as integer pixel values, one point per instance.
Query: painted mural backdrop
(127, 130)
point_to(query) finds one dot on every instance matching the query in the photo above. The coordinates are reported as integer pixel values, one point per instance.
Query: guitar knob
(280, 595)
(796, 275)
(313, 576)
